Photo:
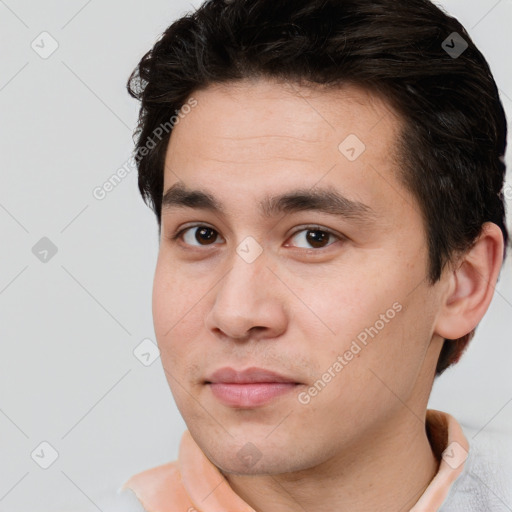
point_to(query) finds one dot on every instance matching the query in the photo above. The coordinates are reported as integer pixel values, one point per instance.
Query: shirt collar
(194, 483)
(451, 448)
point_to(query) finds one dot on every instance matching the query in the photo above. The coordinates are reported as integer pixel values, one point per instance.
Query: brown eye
(207, 234)
(202, 235)
(316, 237)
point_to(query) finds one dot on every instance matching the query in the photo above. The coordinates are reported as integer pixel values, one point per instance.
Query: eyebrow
(323, 200)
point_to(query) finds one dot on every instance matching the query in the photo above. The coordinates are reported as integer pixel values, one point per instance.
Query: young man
(327, 178)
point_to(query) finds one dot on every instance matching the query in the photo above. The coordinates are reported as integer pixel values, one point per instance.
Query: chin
(244, 457)
(234, 466)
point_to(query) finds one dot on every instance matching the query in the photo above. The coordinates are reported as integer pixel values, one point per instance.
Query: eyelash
(179, 233)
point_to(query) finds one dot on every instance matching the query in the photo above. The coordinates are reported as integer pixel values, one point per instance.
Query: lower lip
(249, 395)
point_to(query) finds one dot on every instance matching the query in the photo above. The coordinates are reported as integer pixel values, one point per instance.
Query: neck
(387, 471)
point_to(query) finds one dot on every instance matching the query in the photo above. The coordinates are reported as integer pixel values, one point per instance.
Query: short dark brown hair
(410, 51)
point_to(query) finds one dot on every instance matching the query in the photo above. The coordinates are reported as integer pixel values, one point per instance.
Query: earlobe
(471, 285)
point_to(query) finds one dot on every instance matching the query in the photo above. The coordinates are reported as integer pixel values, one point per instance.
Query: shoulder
(486, 480)
(122, 500)
(108, 499)
(156, 489)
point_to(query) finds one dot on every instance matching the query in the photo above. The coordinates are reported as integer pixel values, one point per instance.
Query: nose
(249, 302)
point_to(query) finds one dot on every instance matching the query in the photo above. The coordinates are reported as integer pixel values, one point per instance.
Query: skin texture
(360, 443)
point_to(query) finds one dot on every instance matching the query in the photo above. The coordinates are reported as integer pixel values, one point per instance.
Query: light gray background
(69, 326)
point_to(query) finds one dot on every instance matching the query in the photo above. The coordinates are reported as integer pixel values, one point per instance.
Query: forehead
(250, 135)
(286, 110)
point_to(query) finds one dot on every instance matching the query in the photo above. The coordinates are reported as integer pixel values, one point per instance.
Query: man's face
(336, 301)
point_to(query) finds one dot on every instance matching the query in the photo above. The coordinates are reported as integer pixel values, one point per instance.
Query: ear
(470, 286)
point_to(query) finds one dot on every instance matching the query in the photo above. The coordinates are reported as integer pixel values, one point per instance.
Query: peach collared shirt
(194, 484)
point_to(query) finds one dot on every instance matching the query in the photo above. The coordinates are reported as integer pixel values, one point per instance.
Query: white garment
(485, 484)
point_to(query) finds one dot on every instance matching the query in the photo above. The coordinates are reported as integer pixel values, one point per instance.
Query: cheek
(370, 318)
(171, 298)
(166, 319)
(158, 299)
(343, 309)
(177, 316)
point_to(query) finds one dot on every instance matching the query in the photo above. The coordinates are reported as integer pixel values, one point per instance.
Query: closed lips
(228, 375)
